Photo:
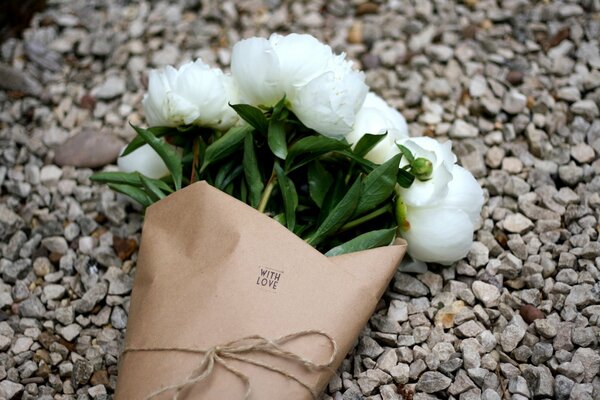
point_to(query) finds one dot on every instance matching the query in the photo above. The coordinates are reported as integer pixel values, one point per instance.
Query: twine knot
(236, 350)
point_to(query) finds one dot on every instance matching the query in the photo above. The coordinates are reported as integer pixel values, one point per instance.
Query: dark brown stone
(100, 378)
(89, 149)
(124, 247)
(530, 313)
(514, 77)
(367, 8)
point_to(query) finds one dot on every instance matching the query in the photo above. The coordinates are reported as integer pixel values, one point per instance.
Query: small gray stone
(486, 293)
(91, 298)
(546, 327)
(70, 332)
(9, 390)
(518, 385)
(431, 382)
(112, 87)
(517, 223)
(118, 318)
(489, 394)
(400, 373)
(584, 337)
(562, 387)
(32, 308)
(55, 244)
(82, 372)
(22, 344)
(514, 102)
(398, 311)
(372, 379)
(461, 129)
(369, 347)
(54, 292)
(583, 153)
(9, 222)
(590, 359)
(65, 315)
(585, 108)
(581, 295)
(409, 285)
(20, 81)
(511, 337)
(119, 282)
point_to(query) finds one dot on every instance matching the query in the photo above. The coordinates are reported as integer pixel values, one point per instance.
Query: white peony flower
(193, 94)
(441, 212)
(145, 161)
(322, 89)
(377, 117)
(329, 103)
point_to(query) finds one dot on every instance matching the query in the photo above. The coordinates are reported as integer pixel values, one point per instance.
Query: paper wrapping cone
(200, 282)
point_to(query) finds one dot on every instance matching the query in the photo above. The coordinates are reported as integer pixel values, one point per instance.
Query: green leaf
(227, 174)
(366, 144)
(369, 240)
(251, 171)
(379, 185)
(334, 196)
(278, 110)
(138, 142)
(135, 193)
(167, 153)
(405, 178)
(290, 196)
(309, 148)
(225, 145)
(252, 115)
(319, 182)
(341, 213)
(276, 138)
(406, 153)
(151, 188)
(128, 178)
(366, 164)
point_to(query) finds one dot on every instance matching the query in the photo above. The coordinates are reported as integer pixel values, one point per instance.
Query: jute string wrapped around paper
(233, 349)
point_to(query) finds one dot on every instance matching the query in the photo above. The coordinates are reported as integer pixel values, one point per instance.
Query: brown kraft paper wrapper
(212, 270)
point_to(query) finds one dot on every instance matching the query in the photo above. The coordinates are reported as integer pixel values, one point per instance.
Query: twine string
(235, 350)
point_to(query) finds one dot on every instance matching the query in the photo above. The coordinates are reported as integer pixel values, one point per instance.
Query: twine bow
(235, 350)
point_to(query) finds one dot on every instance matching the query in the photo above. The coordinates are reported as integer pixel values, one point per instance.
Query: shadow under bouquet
(277, 199)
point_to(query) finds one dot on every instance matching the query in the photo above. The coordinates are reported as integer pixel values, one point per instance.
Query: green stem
(196, 150)
(365, 218)
(264, 199)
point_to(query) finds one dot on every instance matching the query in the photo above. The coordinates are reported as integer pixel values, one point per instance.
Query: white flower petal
(393, 116)
(433, 190)
(429, 192)
(256, 71)
(440, 235)
(145, 161)
(192, 94)
(301, 59)
(465, 193)
(329, 103)
(180, 110)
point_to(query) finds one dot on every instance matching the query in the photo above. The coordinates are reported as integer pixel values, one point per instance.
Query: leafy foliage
(318, 187)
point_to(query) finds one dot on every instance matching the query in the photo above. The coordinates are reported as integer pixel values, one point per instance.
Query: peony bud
(422, 168)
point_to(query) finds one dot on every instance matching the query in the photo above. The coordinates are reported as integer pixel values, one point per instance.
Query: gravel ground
(515, 85)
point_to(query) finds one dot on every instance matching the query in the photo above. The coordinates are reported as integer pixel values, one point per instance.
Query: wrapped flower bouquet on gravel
(278, 203)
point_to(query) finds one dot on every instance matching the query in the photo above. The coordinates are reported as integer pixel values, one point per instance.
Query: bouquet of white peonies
(295, 134)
